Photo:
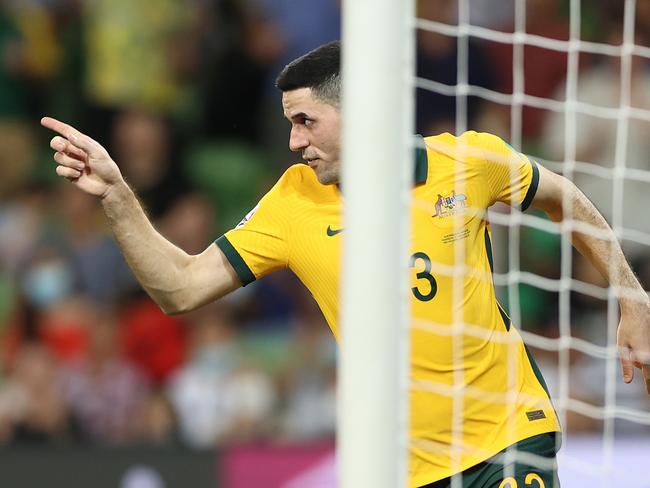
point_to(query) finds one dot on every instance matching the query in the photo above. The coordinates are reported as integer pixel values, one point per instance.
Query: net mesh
(593, 127)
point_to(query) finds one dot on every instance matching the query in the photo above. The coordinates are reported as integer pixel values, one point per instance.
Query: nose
(297, 139)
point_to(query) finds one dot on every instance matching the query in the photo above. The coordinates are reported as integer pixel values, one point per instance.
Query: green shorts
(493, 473)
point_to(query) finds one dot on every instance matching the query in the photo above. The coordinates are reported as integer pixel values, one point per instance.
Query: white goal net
(568, 84)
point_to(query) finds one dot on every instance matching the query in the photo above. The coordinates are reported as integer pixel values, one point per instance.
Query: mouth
(312, 162)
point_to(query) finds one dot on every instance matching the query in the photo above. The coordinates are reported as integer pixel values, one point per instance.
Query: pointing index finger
(73, 135)
(57, 126)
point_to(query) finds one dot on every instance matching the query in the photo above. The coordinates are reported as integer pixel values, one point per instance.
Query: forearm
(157, 263)
(597, 242)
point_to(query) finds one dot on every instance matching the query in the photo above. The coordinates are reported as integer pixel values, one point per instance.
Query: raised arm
(604, 252)
(175, 280)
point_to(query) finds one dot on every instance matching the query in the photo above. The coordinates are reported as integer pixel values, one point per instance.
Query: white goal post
(378, 59)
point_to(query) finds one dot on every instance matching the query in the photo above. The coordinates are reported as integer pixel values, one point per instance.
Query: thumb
(627, 364)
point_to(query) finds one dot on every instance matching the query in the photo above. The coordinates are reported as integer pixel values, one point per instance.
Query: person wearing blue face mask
(47, 283)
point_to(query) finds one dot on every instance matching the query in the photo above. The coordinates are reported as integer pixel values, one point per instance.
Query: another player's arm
(175, 280)
(604, 252)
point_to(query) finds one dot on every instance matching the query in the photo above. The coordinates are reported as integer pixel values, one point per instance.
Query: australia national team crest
(248, 217)
(454, 204)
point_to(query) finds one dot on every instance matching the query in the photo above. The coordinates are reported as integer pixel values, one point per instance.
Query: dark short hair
(319, 70)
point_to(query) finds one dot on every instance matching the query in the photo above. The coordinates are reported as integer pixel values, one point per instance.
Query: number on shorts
(530, 477)
(510, 482)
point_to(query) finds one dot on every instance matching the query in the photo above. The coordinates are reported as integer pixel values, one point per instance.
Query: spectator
(154, 34)
(47, 306)
(145, 149)
(491, 14)
(104, 392)
(310, 381)
(239, 48)
(543, 69)
(16, 138)
(32, 408)
(596, 142)
(153, 341)
(217, 398)
(22, 220)
(157, 423)
(103, 273)
(288, 29)
(437, 60)
(190, 223)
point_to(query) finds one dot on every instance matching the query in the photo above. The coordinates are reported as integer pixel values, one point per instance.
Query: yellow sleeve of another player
(512, 178)
(259, 243)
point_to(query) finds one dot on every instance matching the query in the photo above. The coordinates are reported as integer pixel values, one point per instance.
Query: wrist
(115, 193)
(634, 300)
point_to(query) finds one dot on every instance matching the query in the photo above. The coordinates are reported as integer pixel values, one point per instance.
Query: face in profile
(315, 132)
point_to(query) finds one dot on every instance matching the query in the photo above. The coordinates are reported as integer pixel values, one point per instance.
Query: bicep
(550, 192)
(210, 276)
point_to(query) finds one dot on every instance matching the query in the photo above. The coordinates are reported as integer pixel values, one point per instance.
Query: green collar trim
(421, 160)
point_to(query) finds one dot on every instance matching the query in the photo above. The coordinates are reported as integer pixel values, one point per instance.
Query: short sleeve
(511, 176)
(259, 243)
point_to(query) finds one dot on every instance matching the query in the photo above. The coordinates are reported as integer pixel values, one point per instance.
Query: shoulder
(441, 142)
(298, 174)
(467, 148)
(300, 181)
(469, 137)
(447, 143)
(469, 145)
(290, 182)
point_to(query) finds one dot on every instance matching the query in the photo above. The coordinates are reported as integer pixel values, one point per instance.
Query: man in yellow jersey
(297, 225)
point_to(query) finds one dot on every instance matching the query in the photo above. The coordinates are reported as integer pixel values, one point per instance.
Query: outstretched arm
(604, 252)
(175, 280)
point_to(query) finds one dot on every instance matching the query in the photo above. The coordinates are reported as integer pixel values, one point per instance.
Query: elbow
(551, 207)
(555, 213)
(168, 307)
(176, 308)
(171, 311)
(573, 205)
(173, 306)
(173, 300)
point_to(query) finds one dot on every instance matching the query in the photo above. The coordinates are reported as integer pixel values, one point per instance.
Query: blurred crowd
(181, 94)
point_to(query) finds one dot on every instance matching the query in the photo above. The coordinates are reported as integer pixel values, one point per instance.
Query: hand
(634, 341)
(81, 160)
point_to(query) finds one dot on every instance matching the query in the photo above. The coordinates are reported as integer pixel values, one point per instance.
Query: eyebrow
(299, 115)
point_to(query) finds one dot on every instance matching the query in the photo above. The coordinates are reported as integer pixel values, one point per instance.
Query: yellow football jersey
(473, 384)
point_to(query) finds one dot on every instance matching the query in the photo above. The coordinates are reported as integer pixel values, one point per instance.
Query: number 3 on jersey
(424, 291)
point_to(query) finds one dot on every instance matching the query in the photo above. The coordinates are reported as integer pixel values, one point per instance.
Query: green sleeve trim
(245, 274)
(421, 160)
(532, 189)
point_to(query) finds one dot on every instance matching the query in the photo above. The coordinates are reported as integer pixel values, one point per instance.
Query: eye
(308, 122)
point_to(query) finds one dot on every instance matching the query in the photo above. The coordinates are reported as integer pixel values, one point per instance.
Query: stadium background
(95, 382)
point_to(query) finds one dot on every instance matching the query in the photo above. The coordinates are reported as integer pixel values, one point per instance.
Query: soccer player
(297, 225)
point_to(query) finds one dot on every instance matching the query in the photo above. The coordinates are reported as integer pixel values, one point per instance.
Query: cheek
(330, 146)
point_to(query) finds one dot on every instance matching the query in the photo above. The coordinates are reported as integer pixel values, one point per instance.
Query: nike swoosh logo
(332, 232)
